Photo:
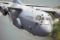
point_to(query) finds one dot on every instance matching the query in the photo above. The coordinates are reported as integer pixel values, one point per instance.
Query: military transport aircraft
(33, 19)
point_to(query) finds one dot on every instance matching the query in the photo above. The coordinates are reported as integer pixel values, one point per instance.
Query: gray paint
(32, 27)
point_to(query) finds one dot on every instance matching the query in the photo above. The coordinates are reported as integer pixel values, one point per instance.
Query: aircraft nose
(47, 28)
(46, 31)
(41, 30)
(45, 34)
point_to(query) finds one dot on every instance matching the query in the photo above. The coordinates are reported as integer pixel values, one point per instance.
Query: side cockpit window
(39, 18)
(42, 18)
(47, 18)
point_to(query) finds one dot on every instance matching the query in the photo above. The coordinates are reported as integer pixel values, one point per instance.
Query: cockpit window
(47, 18)
(42, 18)
(38, 17)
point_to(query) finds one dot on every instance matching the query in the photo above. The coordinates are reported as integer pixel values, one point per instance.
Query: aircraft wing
(9, 5)
(16, 6)
(37, 7)
(44, 8)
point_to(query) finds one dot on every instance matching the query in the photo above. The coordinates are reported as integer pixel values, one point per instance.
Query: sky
(51, 3)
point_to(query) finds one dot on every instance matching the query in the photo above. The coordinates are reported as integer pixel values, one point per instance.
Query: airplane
(54, 11)
(37, 22)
